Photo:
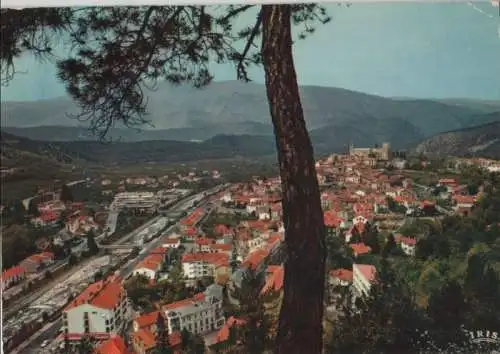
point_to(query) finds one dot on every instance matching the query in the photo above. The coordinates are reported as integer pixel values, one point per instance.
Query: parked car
(45, 343)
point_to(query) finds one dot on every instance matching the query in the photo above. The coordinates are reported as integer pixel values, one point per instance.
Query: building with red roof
(100, 311)
(144, 341)
(114, 345)
(37, 262)
(12, 276)
(360, 248)
(342, 277)
(407, 244)
(274, 279)
(224, 333)
(364, 276)
(200, 314)
(200, 264)
(150, 266)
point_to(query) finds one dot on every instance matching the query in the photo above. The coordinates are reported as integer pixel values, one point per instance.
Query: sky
(421, 50)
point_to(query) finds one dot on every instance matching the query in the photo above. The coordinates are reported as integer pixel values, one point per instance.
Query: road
(48, 332)
(32, 345)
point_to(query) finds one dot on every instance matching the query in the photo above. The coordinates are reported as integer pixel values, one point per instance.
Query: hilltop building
(380, 153)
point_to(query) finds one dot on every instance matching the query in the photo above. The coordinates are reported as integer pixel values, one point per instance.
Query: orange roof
(406, 240)
(146, 337)
(222, 246)
(105, 294)
(221, 229)
(217, 259)
(185, 302)
(12, 272)
(360, 248)
(254, 259)
(203, 241)
(223, 334)
(147, 319)
(342, 274)
(109, 297)
(115, 345)
(367, 271)
(331, 219)
(275, 279)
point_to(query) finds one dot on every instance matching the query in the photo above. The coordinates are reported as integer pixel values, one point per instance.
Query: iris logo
(484, 336)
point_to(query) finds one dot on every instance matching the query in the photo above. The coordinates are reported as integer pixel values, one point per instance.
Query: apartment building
(101, 311)
(200, 314)
(198, 265)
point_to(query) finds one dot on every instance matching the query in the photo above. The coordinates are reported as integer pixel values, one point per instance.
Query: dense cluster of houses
(355, 197)
(76, 223)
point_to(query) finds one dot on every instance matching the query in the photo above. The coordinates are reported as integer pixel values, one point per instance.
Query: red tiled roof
(115, 345)
(146, 337)
(406, 240)
(331, 219)
(254, 259)
(147, 319)
(223, 334)
(464, 199)
(367, 271)
(224, 247)
(183, 303)
(360, 248)
(221, 229)
(342, 274)
(217, 259)
(275, 279)
(13, 272)
(203, 241)
(105, 294)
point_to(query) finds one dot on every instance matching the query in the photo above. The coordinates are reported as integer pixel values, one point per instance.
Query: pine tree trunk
(300, 323)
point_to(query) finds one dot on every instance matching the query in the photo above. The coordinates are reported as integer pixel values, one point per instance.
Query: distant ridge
(235, 108)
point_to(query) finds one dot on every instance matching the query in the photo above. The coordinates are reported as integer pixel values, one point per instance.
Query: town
(191, 266)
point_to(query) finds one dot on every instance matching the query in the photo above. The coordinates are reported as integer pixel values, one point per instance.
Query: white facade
(89, 319)
(226, 198)
(408, 248)
(146, 272)
(198, 269)
(198, 316)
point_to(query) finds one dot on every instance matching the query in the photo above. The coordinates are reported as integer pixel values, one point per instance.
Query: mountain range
(335, 117)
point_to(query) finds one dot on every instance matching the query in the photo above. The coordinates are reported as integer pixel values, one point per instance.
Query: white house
(198, 265)
(201, 314)
(363, 278)
(407, 244)
(101, 311)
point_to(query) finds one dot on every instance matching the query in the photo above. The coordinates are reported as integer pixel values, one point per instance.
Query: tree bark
(301, 315)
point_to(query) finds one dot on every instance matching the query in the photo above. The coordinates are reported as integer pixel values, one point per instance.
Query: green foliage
(254, 336)
(386, 322)
(18, 242)
(192, 343)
